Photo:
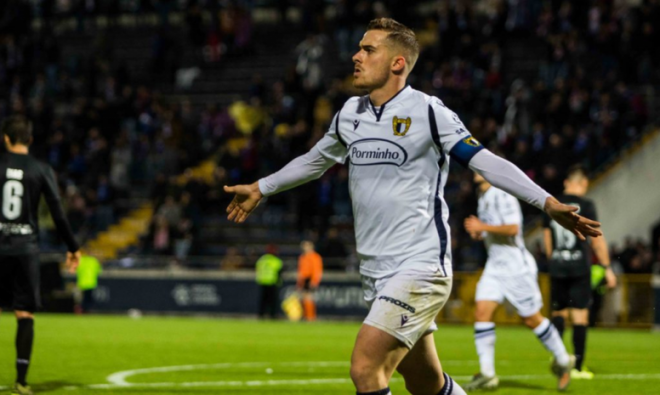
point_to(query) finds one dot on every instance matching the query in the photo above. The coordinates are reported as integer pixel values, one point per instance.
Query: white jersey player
(398, 142)
(511, 274)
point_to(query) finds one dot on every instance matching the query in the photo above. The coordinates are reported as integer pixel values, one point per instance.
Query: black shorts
(570, 292)
(19, 282)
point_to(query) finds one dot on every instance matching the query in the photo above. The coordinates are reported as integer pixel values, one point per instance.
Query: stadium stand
(124, 96)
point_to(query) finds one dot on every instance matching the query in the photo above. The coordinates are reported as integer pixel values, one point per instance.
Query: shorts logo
(398, 123)
(368, 152)
(404, 319)
(399, 303)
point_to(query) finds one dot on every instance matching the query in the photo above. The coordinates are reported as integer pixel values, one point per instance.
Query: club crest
(401, 125)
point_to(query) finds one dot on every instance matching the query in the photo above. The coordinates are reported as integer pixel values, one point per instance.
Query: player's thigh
(406, 304)
(27, 297)
(421, 368)
(523, 293)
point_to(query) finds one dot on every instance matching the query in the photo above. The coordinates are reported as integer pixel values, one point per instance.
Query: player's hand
(610, 278)
(476, 236)
(247, 198)
(72, 261)
(473, 226)
(565, 216)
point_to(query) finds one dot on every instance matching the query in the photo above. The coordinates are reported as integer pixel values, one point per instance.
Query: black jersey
(23, 180)
(571, 257)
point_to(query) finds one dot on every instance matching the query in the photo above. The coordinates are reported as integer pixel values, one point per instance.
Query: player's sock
(484, 340)
(560, 324)
(450, 387)
(24, 338)
(384, 391)
(548, 335)
(579, 344)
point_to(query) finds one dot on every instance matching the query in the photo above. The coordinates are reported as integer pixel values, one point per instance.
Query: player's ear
(399, 64)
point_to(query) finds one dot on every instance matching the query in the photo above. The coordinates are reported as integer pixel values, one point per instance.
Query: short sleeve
(450, 133)
(546, 221)
(332, 145)
(590, 211)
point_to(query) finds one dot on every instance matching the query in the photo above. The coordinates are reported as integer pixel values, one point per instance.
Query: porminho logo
(370, 152)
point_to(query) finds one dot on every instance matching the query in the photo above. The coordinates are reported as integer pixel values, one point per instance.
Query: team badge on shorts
(399, 123)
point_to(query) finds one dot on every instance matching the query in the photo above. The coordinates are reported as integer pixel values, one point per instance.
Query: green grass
(76, 352)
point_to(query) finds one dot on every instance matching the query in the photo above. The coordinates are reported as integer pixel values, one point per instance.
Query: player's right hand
(72, 261)
(246, 199)
(567, 217)
(610, 278)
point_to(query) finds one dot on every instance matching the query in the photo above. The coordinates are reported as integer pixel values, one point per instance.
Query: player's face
(372, 61)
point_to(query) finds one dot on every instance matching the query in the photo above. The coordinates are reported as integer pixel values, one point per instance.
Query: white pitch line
(264, 383)
(119, 378)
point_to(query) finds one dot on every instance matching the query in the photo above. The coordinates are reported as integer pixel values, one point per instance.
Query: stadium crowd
(109, 135)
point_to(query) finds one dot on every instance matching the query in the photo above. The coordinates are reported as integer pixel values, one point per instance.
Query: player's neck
(18, 149)
(383, 94)
(484, 187)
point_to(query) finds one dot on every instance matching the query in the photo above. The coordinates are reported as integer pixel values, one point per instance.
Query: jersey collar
(400, 95)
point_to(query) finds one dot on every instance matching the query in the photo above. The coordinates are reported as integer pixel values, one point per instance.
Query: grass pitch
(156, 355)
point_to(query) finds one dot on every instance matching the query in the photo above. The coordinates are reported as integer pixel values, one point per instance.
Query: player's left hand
(473, 225)
(247, 198)
(566, 216)
(72, 261)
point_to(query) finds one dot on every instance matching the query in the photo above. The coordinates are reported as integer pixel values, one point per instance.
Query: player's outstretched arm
(302, 169)
(246, 199)
(506, 176)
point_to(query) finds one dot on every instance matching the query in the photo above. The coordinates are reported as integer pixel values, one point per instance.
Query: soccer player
(510, 274)
(23, 180)
(310, 271)
(398, 141)
(570, 268)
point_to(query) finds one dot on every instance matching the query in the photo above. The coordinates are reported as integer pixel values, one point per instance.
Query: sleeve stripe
(341, 140)
(434, 128)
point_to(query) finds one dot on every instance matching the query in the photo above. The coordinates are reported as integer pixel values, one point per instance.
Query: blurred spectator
(232, 260)
(88, 272)
(310, 271)
(269, 268)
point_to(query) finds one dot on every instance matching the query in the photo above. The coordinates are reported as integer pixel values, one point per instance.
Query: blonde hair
(399, 35)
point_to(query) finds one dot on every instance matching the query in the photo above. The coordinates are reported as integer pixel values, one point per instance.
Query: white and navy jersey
(507, 255)
(399, 160)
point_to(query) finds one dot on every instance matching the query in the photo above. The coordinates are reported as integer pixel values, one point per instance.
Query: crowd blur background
(129, 97)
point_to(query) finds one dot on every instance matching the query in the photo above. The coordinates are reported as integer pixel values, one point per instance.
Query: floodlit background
(146, 108)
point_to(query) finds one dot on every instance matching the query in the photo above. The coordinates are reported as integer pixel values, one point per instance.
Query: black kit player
(23, 180)
(570, 267)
